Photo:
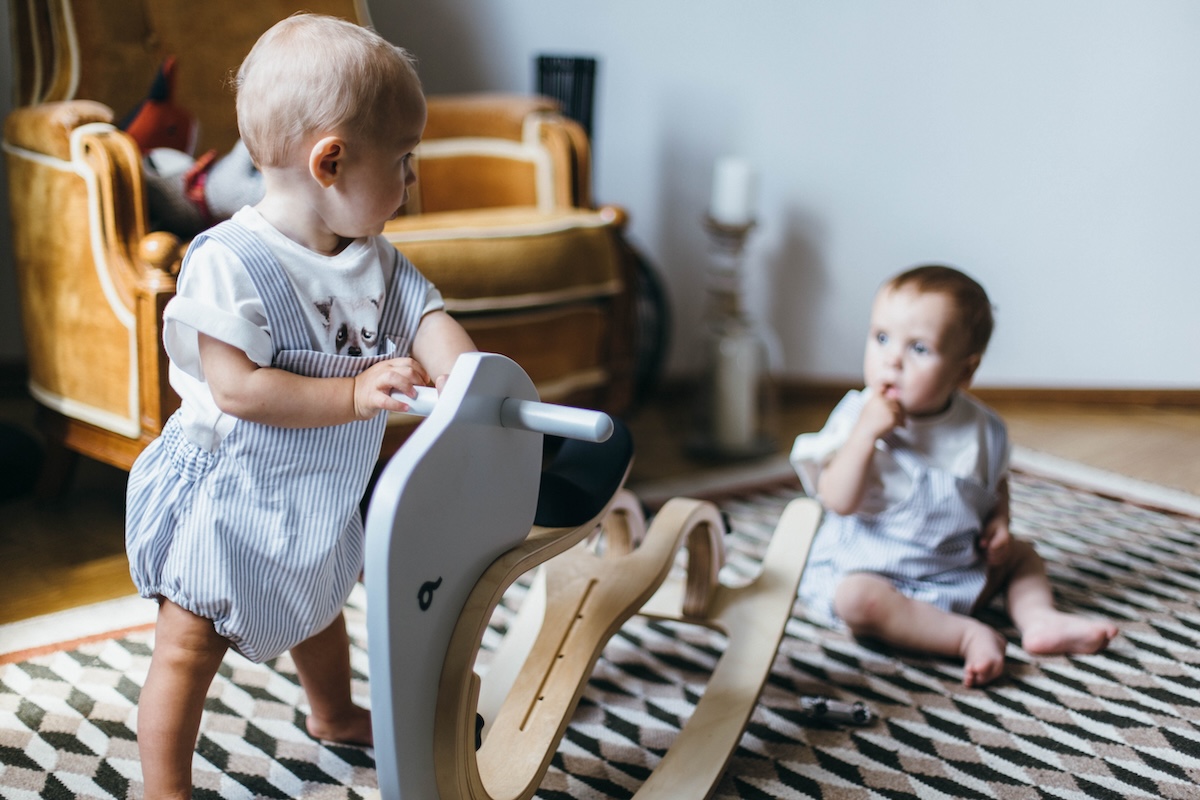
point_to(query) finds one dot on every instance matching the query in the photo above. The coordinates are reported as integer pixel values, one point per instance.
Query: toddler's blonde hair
(312, 74)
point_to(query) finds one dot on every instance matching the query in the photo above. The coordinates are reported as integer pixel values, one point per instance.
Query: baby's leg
(323, 663)
(187, 652)
(871, 606)
(1044, 629)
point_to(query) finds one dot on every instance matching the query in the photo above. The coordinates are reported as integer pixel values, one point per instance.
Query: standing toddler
(293, 325)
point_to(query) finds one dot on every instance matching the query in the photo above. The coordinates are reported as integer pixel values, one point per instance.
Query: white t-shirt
(341, 295)
(954, 440)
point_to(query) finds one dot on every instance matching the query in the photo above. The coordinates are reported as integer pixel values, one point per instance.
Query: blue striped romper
(926, 544)
(263, 535)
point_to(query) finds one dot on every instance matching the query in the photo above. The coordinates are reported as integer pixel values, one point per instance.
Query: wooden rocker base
(438, 567)
(583, 598)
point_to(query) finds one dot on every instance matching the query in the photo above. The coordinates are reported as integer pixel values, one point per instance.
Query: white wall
(1049, 147)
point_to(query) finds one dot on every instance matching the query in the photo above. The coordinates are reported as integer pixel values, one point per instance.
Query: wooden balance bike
(461, 511)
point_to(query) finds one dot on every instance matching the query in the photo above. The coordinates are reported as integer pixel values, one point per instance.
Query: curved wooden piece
(586, 599)
(113, 169)
(589, 597)
(623, 528)
(753, 618)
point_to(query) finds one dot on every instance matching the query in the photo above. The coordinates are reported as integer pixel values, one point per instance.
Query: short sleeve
(812, 451)
(433, 300)
(217, 298)
(1000, 446)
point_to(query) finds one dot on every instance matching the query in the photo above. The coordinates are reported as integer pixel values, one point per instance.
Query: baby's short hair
(969, 297)
(311, 74)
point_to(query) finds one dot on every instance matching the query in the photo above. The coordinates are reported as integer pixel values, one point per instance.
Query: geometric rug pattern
(1124, 723)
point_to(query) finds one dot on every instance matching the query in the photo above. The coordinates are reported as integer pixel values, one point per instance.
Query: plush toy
(186, 195)
(157, 121)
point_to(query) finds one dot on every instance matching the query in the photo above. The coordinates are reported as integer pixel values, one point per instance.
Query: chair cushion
(513, 258)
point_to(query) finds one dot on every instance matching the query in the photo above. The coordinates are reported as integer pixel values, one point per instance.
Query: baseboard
(1181, 398)
(794, 390)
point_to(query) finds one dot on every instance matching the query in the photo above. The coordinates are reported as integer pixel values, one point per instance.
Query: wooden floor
(71, 552)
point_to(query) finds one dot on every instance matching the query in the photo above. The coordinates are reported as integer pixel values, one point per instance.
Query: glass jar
(735, 404)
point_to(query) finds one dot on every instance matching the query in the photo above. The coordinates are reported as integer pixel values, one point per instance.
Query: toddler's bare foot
(1054, 632)
(354, 727)
(983, 655)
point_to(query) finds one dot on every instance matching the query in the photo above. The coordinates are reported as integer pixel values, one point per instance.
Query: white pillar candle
(732, 192)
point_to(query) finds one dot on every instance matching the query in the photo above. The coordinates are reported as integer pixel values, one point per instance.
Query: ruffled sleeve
(213, 282)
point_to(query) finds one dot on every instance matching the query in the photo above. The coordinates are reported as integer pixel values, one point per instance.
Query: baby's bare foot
(983, 655)
(354, 727)
(1054, 632)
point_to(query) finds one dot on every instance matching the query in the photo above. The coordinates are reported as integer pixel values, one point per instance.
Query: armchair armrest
(46, 129)
(80, 133)
(92, 284)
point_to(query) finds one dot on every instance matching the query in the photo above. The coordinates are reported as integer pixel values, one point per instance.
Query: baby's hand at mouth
(882, 412)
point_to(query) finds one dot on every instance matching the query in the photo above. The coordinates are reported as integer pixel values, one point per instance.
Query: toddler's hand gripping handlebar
(528, 415)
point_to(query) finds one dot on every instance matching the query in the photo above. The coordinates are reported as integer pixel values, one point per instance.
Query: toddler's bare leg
(1044, 629)
(871, 606)
(323, 663)
(187, 653)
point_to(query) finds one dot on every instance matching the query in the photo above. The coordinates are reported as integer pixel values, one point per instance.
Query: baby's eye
(881, 337)
(920, 348)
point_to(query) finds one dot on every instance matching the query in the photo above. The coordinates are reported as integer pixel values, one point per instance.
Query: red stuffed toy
(158, 121)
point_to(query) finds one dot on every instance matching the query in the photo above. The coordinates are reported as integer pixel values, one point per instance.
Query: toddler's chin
(930, 411)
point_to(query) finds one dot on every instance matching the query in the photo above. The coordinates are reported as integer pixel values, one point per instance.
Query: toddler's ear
(968, 371)
(324, 160)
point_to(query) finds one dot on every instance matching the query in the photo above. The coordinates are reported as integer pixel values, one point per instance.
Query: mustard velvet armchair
(501, 220)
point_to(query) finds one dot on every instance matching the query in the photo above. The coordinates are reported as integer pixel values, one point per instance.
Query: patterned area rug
(1121, 724)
